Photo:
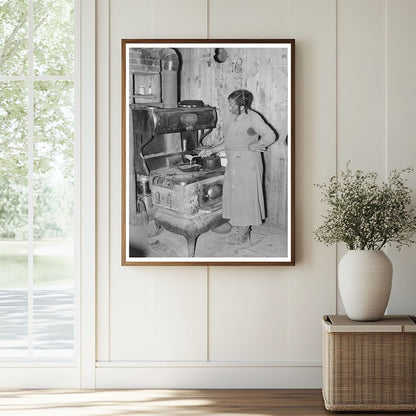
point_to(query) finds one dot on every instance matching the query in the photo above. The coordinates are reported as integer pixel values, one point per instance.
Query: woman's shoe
(243, 238)
(237, 238)
(231, 238)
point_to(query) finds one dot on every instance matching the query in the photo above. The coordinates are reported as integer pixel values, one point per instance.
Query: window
(38, 187)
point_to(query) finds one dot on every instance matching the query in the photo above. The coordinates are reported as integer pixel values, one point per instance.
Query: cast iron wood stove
(179, 197)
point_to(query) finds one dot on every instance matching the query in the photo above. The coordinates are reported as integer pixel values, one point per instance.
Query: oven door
(210, 195)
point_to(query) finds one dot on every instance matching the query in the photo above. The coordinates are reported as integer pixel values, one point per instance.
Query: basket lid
(389, 323)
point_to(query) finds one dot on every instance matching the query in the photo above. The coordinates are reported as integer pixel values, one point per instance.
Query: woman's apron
(243, 201)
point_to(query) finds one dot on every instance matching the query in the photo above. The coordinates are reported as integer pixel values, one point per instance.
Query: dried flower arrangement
(366, 215)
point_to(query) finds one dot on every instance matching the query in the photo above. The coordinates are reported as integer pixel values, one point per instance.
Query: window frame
(81, 371)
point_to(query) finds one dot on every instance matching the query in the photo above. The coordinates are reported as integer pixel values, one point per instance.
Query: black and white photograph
(208, 152)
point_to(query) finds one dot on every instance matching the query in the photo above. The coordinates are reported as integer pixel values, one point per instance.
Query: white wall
(254, 326)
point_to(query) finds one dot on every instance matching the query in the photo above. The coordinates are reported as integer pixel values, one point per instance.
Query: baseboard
(209, 377)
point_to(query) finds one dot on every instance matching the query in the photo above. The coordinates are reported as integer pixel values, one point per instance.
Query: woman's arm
(209, 151)
(267, 135)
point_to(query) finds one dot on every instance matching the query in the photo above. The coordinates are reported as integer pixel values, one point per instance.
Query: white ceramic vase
(364, 278)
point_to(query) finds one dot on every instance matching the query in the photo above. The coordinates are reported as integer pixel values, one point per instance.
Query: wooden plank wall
(264, 73)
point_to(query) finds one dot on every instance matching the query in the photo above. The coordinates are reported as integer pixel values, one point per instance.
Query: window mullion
(30, 177)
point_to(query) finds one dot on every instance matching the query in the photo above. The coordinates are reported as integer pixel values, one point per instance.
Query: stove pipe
(170, 67)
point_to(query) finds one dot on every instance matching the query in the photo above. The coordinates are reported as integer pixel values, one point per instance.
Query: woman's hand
(206, 152)
(257, 147)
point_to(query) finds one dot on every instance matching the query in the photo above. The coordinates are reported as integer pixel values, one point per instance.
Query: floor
(265, 241)
(166, 402)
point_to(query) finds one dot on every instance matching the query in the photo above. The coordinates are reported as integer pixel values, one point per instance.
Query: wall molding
(103, 179)
(210, 376)
(204, 364)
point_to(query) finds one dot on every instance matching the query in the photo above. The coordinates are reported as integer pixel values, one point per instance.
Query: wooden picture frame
(197, 161)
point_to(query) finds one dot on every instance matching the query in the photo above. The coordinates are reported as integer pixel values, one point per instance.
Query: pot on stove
(211, 162)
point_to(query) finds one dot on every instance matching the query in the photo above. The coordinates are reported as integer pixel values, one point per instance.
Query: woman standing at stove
(245, 138)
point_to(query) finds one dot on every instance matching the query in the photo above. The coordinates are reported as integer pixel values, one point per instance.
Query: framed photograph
(208, 151)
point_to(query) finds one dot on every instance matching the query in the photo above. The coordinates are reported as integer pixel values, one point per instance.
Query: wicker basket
(369, 366)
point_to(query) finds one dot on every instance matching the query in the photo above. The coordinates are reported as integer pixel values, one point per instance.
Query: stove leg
(153, 229)
(191, 241)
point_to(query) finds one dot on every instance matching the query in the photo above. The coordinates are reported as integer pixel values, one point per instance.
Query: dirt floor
(265, 241)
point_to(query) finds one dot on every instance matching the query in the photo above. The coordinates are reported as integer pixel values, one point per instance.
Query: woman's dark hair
(242, 98)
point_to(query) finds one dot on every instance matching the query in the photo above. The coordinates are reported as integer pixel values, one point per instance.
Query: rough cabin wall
(264, 75)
